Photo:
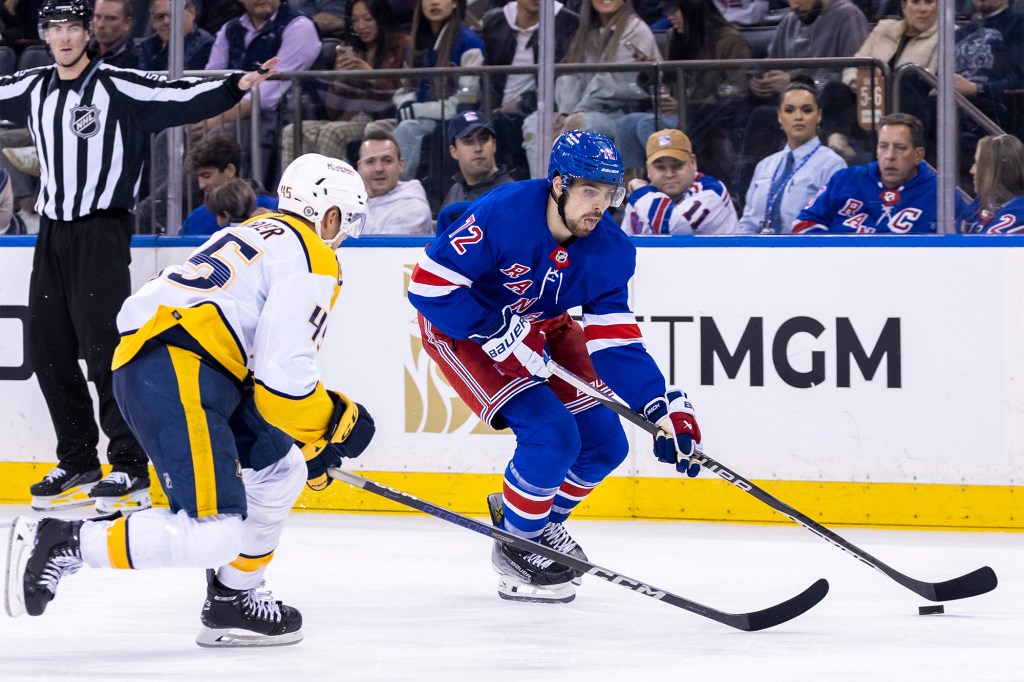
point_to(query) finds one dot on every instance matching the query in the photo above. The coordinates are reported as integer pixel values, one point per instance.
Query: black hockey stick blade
(972, 584)
(756, 620)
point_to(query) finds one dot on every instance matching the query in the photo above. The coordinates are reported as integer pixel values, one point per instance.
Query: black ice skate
(523, 575)
(39, 554)
(63, 489)
(122, 492)
(236, 618)
(557, 537)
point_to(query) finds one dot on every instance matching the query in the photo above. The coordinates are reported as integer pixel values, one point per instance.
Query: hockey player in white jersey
(679, 199)
(216, 375)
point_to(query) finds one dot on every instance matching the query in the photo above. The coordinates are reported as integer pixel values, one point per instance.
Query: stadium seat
(759, 38)
(8, 60)
(34, 56)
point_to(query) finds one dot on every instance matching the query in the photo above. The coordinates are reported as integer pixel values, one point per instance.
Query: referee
(91, 125)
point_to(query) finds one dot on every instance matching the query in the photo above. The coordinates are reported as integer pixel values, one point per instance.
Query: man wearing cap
(472, 144)
(678, 199)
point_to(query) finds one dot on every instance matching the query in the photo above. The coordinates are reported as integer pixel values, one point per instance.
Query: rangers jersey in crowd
(1007, 219)
(856, 202)
(500, 254)
(255, 298)
(705, 208)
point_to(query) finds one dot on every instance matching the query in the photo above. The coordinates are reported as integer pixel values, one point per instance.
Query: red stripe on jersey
(526, 504)
(594, 332)
(659, 216)
(805, 226)
(421, 276)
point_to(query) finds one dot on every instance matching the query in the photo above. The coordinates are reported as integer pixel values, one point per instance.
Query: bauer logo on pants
(85, 121)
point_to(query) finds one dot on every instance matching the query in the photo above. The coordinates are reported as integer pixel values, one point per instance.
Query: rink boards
(865, 380)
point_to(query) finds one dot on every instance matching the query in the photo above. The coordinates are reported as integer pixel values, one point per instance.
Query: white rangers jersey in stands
(500, 254)
(1007, 219)
(705, 208)
(256, 298)
(856, 202)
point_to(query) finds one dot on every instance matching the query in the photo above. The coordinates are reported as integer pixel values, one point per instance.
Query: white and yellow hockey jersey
(256, 297)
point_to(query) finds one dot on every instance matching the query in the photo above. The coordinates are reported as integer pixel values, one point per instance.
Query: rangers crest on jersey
(85, 121)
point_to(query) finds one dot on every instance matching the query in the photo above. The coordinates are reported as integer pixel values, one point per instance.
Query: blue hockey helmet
(586, 155)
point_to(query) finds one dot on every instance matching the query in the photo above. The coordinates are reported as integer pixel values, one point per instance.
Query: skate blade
(126, 504)
(19, 548)
(511, 589)
(215, 638)
(69, 499)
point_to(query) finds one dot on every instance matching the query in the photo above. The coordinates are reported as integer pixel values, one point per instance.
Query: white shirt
(797, 193)
(403, 210)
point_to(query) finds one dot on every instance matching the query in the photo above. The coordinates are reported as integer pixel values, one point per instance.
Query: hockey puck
(930, 610)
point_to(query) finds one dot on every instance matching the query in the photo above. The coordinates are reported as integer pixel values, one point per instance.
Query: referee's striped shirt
(92, 133)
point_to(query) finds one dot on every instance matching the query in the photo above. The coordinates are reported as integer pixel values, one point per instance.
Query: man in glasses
(493, 293)
(472, 144)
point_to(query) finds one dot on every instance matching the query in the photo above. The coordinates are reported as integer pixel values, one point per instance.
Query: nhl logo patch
(890, 197)
(85, 121)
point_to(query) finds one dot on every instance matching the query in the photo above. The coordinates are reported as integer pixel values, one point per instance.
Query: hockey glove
(674, 414)
(349, 432)
(406, 112)
(517, 348)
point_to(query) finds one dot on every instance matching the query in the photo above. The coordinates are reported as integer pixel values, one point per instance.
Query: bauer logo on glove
(680, 434)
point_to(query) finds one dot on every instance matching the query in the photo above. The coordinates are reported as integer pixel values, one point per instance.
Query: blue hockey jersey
(1007, 219)
(500, 254)
(854, 201)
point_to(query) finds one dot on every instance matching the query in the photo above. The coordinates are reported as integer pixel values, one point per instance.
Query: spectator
(851, 204)
(510, 39)
(473, 145)
(815, 28)
(610, 32)
(439, 38)
(328, 15)
(233, 203)
(786, 181)
(910, 40)
(112, 27)
(998, 172)
(267, 28)
(214, 161)
(679, 199)
(698, 31)
(743, 12)
(19, 23)
(394, 206)
(989, 56)
(376, 43)
(197, 42)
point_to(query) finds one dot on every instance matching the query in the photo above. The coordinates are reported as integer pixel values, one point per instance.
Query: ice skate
(122, 492)
(525, 576)
(39, 554)
(239, 618)
(557, 537)
(63, 489)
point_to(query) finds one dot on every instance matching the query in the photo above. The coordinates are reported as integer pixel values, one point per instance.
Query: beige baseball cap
(669, 142)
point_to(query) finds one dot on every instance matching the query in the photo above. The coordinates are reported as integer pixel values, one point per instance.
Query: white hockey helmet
(313, 184)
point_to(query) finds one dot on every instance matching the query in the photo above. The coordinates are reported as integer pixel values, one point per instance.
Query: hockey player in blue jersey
(894, 195)
(493, 293)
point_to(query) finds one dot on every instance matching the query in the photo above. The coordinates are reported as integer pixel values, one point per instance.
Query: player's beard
(577, 228)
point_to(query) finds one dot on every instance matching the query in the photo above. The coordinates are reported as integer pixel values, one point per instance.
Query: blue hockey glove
(517, 348)
(349, 432)
(674, 414)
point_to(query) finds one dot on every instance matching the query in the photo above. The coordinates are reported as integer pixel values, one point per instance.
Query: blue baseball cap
(466, 123)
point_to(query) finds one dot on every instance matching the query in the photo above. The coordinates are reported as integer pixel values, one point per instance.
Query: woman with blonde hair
(998, 172)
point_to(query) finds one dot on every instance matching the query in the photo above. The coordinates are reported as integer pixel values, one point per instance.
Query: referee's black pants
(80, 278)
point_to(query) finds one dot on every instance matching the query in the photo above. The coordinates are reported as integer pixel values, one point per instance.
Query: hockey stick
(756, 620)
(976, 582)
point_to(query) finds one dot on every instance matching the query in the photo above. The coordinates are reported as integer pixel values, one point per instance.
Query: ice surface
(409, 597)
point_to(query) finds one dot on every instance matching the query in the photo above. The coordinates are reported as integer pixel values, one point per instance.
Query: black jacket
(500, 43)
